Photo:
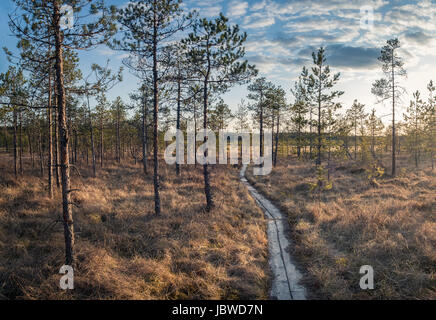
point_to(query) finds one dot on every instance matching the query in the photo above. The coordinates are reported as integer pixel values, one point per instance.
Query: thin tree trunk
(15, 144)
(75, 145)
(318, 161)
(277, 139)
(20, 140)
(261, 124)
(57, 166)
(87, 152)
(310, 135)
(393, 118)
(101, 141)
(144, 131)
(195, 130)
(5, 128)
(63, 135)
(41, 154)
(298, 138)
(416, 134)
(91, 128)
(155, 117)
(273, 136)
(432, 128)
(355, 139)
(207, 190)
(31, 151)
(50, 138)
(118, 142)
(178, 117)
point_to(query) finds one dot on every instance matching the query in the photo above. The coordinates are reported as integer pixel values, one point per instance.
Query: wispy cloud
(237, 8)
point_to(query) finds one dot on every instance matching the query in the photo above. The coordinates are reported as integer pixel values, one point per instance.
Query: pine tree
(193, 103)
(388, 87)
(414, 120)
(375, 127)
(119, 116)
(430, 123)
(276, 102)
(241, 117)
(12, 84)
(320, 87)
(86, 31)
(356, 115)
(214, 50)
(258, 91)
(38, 59)
(299, 110)
(143, 96)
(146, 29)
(99, 81)
(102, 116)
(220, 116)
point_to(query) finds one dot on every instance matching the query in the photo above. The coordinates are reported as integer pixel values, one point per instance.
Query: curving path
(285, 275)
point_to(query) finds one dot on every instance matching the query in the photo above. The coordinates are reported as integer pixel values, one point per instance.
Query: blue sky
(283, 33)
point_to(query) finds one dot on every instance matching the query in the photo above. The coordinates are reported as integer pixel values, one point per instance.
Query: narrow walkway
(285, 275)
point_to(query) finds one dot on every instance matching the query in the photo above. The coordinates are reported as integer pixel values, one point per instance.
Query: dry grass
(123, 250)
(391, 227)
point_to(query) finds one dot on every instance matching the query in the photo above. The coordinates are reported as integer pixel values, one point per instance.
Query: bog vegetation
(85, 176)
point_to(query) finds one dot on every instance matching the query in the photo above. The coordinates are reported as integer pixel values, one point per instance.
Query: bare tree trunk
(20, 140)
(261, 124)
(393, 119)
(5, 128)
(277, 139)
(15, 144)
(91, 128)
(63, 133)
(155, 118)
(41, 154)
(178, 117)
(298, 139)
(310, 135)
(118, 142)
(273, 137)
(416, 135)
(432, 145)
(50, 138)
(101, 142)
(57, 168)
(75, 145)
(318, 160)
(144, 131)
(195, 129)
(329, 157)
(87, 152)
(355, 139)
(31, 151)
(207, 189)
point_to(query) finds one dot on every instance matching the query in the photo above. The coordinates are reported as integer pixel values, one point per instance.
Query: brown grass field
(123, 250)
(390, 226)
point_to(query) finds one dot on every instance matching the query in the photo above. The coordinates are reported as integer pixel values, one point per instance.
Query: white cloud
(258, 6)
(237, 8)
(258, 20)
(105, 52)
(123, 56)
(282, 35)
(209, 12)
